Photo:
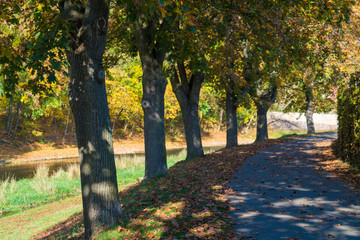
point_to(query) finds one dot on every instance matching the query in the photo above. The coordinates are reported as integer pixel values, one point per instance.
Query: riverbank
(10, 153)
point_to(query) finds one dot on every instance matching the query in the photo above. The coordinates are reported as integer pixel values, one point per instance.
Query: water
(27, 170)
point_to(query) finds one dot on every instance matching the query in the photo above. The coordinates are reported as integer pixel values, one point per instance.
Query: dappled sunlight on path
(279, 194)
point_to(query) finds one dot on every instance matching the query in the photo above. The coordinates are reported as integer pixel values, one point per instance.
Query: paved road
(281, 196)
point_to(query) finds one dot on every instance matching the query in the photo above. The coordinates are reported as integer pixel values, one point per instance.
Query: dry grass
(59, 173)
(3, 186)
(129, 162)
(7, 186)
(73, 171)
(41, 181)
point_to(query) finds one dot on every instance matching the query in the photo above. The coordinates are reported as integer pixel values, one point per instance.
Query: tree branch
(183, 77)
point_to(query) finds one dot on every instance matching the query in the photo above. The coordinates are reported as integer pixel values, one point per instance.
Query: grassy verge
(28, 202)
(28, 223)
(290, 133)
(17, 196)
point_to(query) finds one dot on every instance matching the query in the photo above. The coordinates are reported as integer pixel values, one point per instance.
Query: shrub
(349, 120)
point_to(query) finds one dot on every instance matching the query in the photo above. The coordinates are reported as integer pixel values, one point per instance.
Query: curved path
(280, 195)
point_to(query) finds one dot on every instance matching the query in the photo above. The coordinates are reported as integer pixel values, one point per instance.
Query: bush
(349, 120)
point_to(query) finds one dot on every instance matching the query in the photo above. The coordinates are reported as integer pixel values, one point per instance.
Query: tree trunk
(194, 146)
(261, 126)
(231, 119)
(309, 112)
(221, 119)
(11, 123)
(8, 122)
(88, 101)
(125, 127)
(188, 94)
(67, 123)
(154, 85)
(190, 112)
(263, 104)
(18, 116)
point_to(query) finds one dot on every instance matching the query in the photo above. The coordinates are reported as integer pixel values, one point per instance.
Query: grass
(17, 196)
(129, 170)
(34, 203)
(28, 223)
(275, 134)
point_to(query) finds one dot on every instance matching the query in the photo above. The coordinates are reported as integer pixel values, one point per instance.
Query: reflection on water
(27, 170)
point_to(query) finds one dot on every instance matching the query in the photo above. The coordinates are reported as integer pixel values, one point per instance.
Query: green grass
(41, 201)
(275, 134)
(18, 196)
(26, 224)
(129, 170)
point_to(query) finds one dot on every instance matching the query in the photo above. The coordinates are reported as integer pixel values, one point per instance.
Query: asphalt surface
(281, 195)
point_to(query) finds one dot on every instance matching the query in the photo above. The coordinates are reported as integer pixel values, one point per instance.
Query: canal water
(27, 170)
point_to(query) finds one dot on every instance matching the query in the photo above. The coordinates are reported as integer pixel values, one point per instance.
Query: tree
(189, 67)
(77, 29)
(279, 35)
(312, 82)
(264, 99)
(187, 93)
(154, 84)
(87, 96)
(236, 84)
(153, 22)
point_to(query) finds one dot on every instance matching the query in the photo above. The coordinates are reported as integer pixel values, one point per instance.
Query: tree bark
(309, 112)
(231, 119)
(154, 85)
(261, 126)
(188, 95)
(88, 101)
(233, 93)
(263, 104)
(8, 122)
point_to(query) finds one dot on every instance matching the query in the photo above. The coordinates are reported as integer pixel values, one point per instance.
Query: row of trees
(243, 49)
